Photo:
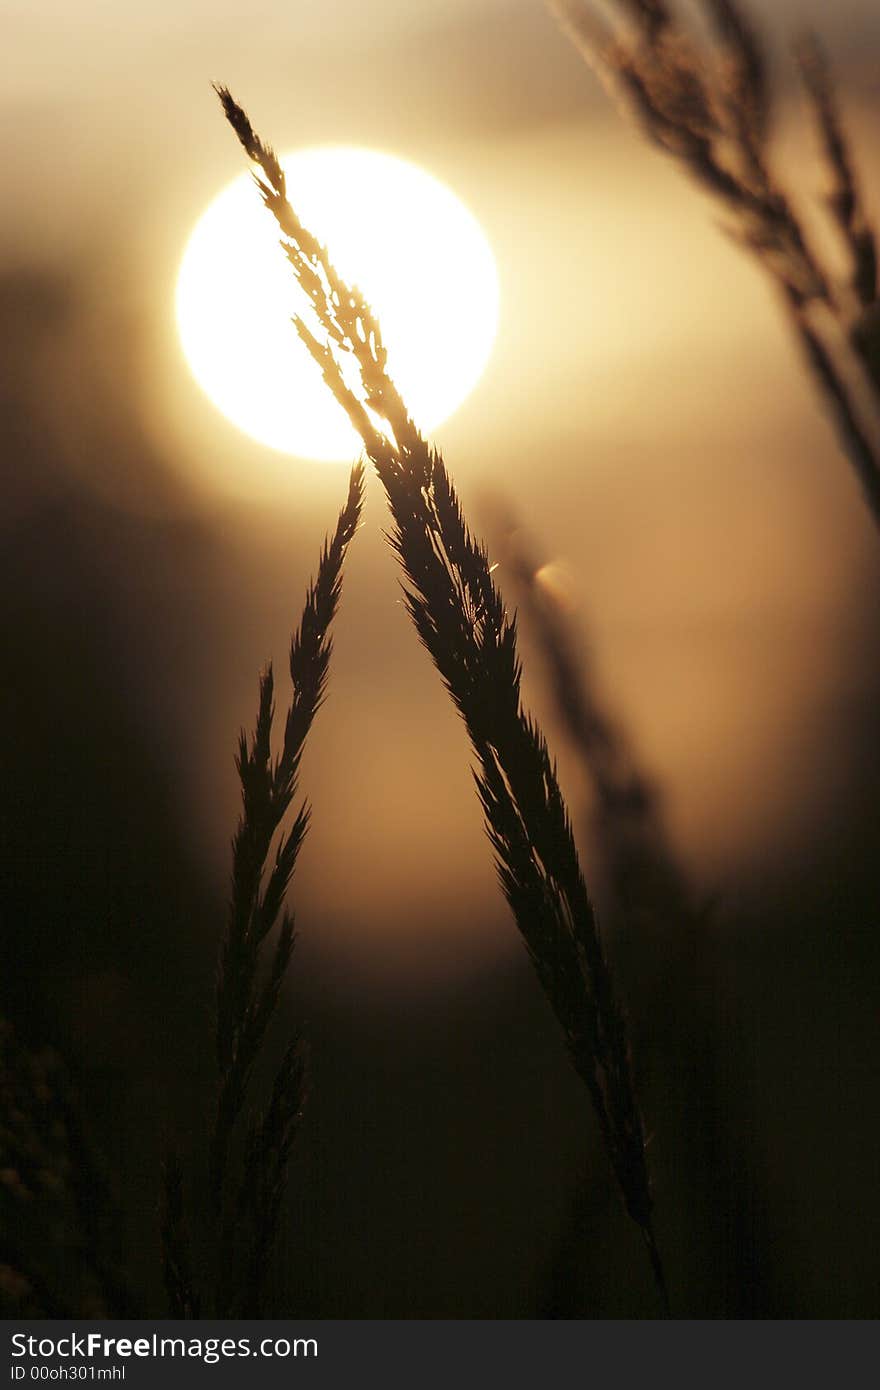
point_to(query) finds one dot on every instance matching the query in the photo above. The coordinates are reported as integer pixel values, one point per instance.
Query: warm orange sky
(644, 408)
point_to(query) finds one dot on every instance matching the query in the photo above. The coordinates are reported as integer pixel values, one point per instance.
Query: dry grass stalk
(460, 617)
(245, 1214)
(712, 112)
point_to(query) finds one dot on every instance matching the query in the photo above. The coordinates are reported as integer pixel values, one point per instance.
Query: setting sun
(404, 238)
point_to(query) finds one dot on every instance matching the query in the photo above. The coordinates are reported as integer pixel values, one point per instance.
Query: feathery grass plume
(461, 620)
(244, 1004)
(268, 787)
(245, 1213)
(711, 111)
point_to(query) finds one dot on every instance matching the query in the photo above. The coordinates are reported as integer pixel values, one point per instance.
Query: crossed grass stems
(714, 117)
(461, 620)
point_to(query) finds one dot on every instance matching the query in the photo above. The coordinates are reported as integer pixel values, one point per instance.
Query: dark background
(647, 412)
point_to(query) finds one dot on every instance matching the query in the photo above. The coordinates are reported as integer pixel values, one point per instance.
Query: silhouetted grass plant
(461, 620)
(247, 1178)
(711, 108)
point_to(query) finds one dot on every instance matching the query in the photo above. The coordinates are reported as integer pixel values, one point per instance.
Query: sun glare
(404, 238)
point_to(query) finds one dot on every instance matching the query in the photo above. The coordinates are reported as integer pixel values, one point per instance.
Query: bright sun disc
(404, 238)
